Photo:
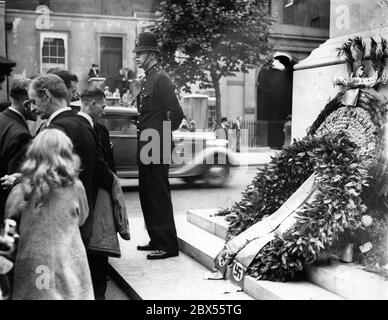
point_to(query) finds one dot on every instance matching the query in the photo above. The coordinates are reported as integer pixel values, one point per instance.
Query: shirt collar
(18, 112)
(87, 117)
(153, 68)
(56, 113)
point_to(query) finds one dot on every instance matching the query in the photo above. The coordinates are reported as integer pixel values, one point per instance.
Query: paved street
(113, 292)
(197, 196)
(185, 197)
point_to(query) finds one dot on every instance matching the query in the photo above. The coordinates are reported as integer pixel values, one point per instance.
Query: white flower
(366, 220)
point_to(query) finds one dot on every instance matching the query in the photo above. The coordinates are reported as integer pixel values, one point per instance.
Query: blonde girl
(50, 205)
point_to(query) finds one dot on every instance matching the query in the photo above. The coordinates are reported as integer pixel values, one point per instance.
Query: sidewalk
(177, 278)
(255, 156)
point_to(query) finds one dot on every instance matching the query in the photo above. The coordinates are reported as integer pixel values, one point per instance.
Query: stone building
(72, 34)
(301, 26)
(348, 19)
(40, 34)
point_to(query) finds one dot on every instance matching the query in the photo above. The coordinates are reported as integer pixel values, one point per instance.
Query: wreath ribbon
(240, 251)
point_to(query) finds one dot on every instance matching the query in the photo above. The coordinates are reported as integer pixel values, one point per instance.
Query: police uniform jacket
(157, 102)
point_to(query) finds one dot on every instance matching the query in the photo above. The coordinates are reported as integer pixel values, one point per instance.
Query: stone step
(176, 278)
(299, 290)
(208, 221)
(198, 243)
(204, 247)
(349, 281)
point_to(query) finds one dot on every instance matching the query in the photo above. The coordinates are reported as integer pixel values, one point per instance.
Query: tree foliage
(205, 40)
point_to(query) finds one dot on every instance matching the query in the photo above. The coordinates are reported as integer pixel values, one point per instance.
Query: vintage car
(196, 155)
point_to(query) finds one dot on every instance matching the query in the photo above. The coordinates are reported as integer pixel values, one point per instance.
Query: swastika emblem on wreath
(223, 259)
(238, 271)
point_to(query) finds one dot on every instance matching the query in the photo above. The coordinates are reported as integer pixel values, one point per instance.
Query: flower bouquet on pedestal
(354, 51)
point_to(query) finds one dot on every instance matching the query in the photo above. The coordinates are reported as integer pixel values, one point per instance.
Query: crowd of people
(51, 173)
(225, 129)
(58, 181)
(127, 99)
(119, 86)
(187, 125)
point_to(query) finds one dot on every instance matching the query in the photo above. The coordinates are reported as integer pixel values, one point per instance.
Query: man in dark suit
(92, 109)
(93, 104)
(159, 113)
(14, 137)
(48, 95)
(4, 105)
(71, 82)
(5, 69)
(93, 71)
(119, 81)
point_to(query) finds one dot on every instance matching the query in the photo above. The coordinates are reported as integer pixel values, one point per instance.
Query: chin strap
(145, 60)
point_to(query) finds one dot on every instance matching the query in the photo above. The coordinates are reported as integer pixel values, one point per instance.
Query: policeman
(159, 113)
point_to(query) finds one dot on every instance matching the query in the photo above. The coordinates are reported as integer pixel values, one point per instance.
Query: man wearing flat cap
(158, 109)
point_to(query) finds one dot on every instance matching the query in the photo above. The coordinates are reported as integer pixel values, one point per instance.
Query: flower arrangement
(354, 51)
(350, 199)
(357, 122)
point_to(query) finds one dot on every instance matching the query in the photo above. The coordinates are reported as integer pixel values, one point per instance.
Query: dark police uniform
(157, 102)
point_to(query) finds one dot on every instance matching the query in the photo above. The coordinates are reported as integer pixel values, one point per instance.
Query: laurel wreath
(349, 167)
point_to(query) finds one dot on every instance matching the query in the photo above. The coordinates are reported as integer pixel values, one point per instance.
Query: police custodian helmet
(146, 41)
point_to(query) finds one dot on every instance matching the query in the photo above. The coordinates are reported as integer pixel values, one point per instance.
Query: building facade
(301, 26)
(73, 34)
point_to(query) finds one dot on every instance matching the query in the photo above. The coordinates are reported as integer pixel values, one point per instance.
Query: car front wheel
(190, 180)
(216, 175)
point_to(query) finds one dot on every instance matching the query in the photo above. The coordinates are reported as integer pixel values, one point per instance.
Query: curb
(122, 284)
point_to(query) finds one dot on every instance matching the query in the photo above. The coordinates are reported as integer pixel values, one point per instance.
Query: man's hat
(6, 66)
(146, 41)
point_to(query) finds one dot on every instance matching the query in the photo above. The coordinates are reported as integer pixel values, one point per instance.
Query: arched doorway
(274, 99)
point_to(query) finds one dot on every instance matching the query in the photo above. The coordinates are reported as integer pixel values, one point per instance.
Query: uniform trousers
(155, 199)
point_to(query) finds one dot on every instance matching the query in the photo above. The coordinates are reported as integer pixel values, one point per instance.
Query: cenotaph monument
(313, 76)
